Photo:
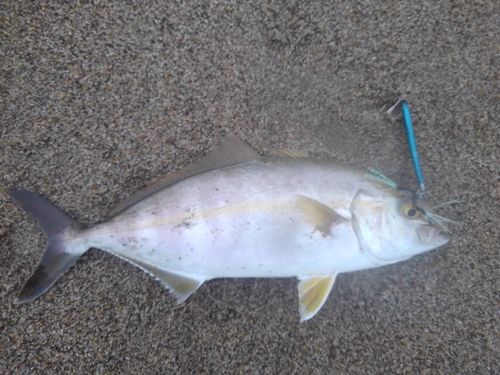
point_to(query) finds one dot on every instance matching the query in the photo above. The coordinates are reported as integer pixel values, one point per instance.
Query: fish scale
(237, 214)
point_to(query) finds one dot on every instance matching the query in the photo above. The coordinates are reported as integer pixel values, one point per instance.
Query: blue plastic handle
(413, 145)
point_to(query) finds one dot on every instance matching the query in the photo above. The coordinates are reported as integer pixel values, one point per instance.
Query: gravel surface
(100, 98)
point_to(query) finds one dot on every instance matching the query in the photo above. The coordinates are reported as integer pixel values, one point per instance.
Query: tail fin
(57, 257)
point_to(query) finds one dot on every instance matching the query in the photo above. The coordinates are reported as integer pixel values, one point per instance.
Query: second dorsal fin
(288, 152)
(231, 151)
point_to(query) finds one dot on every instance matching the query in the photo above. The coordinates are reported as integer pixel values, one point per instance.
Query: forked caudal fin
(57, 256)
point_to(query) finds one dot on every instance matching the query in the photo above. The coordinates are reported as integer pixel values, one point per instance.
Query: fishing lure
(422, 193)
(411, 141)
(413, 147)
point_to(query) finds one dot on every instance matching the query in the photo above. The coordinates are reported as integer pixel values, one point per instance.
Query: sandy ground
(100, 98)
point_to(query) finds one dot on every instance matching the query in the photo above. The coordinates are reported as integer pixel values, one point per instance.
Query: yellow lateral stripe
(244, 207)
(316, 215)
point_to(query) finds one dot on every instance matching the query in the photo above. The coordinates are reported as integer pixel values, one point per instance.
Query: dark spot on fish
(186, 224)
(123, 244)
(180, 258)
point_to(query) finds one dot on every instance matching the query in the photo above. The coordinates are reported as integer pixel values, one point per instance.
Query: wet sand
(100, 99)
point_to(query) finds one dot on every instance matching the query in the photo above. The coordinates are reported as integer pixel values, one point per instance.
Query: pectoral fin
(181, 286)
(313, 292)
(319, 216)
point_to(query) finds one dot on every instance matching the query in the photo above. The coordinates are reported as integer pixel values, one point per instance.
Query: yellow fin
(231, 151)
(313, 292)
(181, 286)
(318, 215)
(291, 153)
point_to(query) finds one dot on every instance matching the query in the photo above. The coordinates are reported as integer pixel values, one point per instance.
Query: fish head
(395, 226)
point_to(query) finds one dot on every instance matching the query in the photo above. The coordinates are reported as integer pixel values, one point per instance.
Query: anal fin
(313, 292)
(181, 286)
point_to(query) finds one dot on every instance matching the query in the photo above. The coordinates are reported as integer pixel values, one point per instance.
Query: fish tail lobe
(60, 253)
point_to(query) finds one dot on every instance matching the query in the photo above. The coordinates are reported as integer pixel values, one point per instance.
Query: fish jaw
(386, 233)
(433, 236)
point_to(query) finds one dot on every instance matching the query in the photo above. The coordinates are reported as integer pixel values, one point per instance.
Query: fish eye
(410, 211)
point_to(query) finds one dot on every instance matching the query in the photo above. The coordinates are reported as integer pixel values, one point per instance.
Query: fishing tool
(422, 193)
(413, 144)
(413, 147)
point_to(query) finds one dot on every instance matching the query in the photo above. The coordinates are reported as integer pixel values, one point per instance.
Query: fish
(237, 214)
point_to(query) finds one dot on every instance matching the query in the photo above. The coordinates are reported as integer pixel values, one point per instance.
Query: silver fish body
(237, 214)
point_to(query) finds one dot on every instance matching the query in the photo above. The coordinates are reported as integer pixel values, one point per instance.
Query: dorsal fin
(231, 151)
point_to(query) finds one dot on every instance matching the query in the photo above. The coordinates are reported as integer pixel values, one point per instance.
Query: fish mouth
(431, 235)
